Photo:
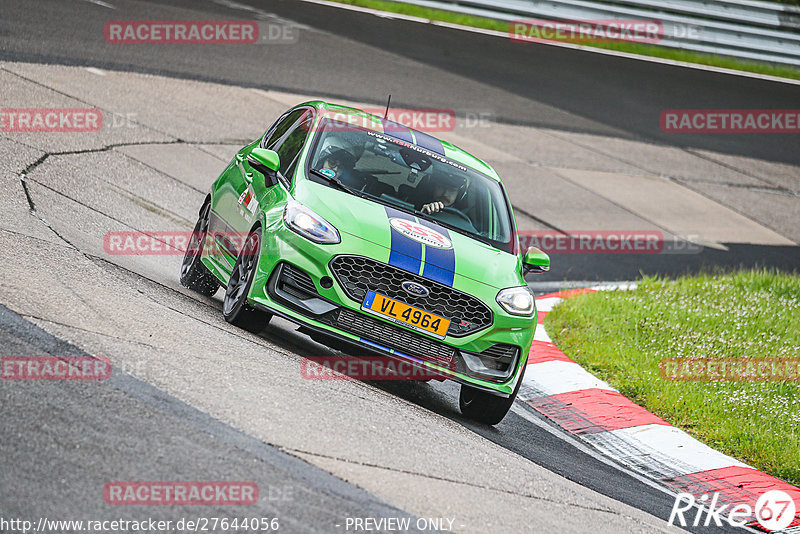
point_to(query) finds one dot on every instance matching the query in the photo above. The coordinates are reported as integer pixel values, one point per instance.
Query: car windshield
(394, 172)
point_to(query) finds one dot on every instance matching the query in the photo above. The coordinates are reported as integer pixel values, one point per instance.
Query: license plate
(405, 314)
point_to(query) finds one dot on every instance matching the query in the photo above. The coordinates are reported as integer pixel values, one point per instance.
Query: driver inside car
(341, 156)
(446, 190)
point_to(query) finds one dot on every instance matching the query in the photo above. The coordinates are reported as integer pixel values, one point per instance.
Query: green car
(376, 239)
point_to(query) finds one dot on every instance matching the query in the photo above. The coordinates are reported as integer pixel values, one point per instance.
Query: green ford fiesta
(376, 239)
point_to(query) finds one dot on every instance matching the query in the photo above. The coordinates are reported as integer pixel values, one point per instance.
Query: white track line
(103, 4)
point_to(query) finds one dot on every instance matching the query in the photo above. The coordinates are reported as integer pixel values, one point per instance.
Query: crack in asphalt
(177, 140)
(24, 178)
(777, 190)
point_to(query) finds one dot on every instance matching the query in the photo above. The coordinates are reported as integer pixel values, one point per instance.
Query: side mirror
(267, 162)
(535, 261)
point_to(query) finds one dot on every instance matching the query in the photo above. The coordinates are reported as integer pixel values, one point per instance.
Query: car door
(288, 144)
(242, 191)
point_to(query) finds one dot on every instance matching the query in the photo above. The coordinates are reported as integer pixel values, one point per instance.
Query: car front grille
(392, 336)
(357, 275)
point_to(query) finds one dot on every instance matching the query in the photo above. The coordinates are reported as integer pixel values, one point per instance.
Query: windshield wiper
(338, 183)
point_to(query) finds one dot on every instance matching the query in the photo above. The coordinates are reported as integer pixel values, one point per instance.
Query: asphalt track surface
(86, 442)
(547, 86)
(536, 85)
(352, 55)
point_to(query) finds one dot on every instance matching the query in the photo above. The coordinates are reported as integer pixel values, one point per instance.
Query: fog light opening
(488, 366)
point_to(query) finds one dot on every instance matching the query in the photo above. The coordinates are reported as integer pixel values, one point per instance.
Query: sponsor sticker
(248, 200)
(420, 233)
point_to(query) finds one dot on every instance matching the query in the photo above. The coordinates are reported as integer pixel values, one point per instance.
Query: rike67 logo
(774, 511)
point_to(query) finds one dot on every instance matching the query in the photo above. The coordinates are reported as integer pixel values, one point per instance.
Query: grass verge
(633, 48)
(621, 336)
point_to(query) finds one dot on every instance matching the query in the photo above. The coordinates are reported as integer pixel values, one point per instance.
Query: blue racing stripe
(405, 252)
(431, 143)
(440, 263)
(397, 131)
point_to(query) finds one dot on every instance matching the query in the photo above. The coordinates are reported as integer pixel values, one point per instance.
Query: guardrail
(745, 29)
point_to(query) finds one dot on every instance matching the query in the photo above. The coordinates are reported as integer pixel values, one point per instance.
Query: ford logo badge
(415, 289)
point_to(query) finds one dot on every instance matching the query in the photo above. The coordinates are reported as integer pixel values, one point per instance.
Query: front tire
(235, 308)
(195, 275)
(484, 407)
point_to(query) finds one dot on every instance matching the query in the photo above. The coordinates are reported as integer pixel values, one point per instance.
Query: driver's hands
(433, 207)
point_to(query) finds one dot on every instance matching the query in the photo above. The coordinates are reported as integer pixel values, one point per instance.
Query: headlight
(516, 301)
(309, 225)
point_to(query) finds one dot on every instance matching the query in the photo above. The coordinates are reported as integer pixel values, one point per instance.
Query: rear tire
(195, 275)
(235, 308)
(484, 407)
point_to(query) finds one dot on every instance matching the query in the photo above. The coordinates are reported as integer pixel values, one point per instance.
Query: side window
(289, 148)
(281, 127)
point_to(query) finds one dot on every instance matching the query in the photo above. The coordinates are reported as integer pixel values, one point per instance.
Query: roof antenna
(385, 115)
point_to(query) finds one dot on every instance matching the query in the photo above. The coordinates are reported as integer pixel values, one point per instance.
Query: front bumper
(327, 310)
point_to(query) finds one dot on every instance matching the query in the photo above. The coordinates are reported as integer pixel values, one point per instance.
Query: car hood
(412, 243)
